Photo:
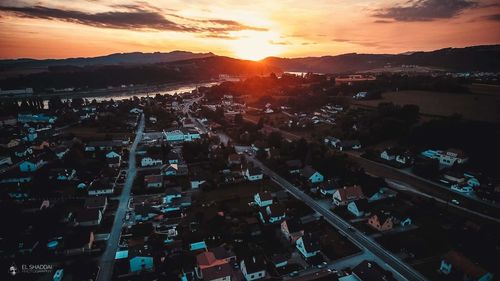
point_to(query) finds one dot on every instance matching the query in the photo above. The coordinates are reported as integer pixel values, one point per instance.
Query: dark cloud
(366, 43)
(495, 17)
(130, 19)
(425, 10)
(382, 21)
(136, 16)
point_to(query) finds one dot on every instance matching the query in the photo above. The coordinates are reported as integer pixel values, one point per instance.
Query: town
(289, 177)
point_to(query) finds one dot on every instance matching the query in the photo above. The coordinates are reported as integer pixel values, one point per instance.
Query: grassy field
(470, 106)
(87, 132)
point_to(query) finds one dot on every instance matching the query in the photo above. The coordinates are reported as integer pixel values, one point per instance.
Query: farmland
(478, 107)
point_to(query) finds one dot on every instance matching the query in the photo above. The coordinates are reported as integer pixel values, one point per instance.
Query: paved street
(108, 258)
(425, 187)
(382, 256)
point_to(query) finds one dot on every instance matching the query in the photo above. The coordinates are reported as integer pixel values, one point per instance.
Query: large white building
(181, 134)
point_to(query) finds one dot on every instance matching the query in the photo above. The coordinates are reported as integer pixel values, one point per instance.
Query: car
(293, 273)
(322, 265)
(455, 201)
(351, 229)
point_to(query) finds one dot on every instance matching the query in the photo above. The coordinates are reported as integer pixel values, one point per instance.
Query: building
(149, 161)
(253, 269)
(347, 194)
(448, 157)
(308, 245)
(153, 181)
(381, 221)
(457, 265)
(254, 174)
(358, 208)
(181, 135)
(263, 199)
(140, 259)
(209, 268)
(292, 229)
(312, 175)
(89, 217)
(31, 165)
(36, 118)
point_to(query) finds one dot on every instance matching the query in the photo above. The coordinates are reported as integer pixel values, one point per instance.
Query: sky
(243, 29)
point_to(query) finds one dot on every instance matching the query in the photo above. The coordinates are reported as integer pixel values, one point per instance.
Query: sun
(256, 45)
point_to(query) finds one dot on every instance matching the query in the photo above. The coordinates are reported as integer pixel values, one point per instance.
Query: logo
(13, 270)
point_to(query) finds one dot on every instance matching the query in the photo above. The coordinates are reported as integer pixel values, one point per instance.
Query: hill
(102, 76)
(476, 58)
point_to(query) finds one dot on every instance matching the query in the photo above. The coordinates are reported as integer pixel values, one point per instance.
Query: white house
(254, 174)
(263, 199)
(253, 269)
(181, 135)
(312, 175)
(148, 161)
(308, 245)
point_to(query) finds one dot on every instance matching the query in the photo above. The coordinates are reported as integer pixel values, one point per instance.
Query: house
(140, 258)
(462, 187)
(210, 268)
(149, 161)
(40, 145)
(458, 265)
(294, 166)
(5, 161)
(263, 199)
(89, 217)
(349, 145)
(260, 146)
(78, 242)
(114, 162)
(197, 181)
(279, 260)
(448, 157)
(224, 253)
(103, 145)
(63, 174)
(332, 141)
(9, 143)
(272, 213)
(371, 271)
(308, 245)
(171, 193)
(36, 118)
(100, 187)
(113, 154)
(312, 175)
(31, 165)
(136, 110)
(451, 156)
(60, 151)
(343, 196)
(381, 221)
(328, 188)
(254, 174)
(173, 157)
(404, 158)
(181, 135)
(388, 154)
(292, 229)
(169, 169)
(234, 159)
(153, 181)
(379, 194)
(23, 151)
(358, 208)
(96, 202)
(145, 212)
(253, 268)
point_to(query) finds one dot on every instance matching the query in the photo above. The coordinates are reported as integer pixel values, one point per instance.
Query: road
(430, 189)
(387, 259)
(401, 186)
(108, 258)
